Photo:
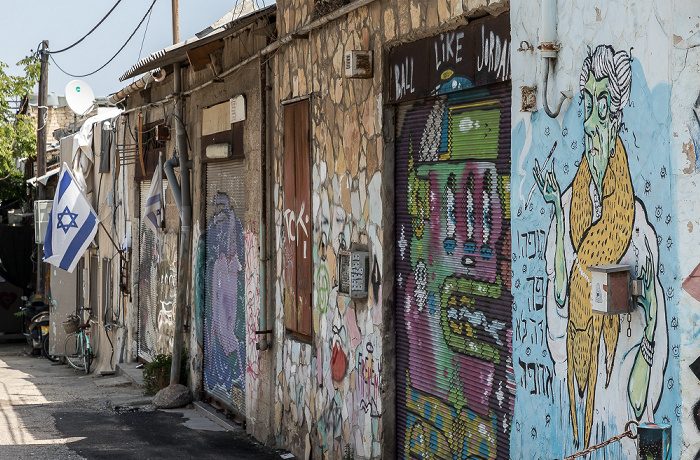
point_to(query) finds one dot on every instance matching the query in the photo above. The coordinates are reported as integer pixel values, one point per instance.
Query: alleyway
(49, 411)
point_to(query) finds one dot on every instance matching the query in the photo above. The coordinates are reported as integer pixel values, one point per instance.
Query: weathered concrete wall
(244, 81)
(589, 188)
(684, 32)
(162, 268)
(317, 415)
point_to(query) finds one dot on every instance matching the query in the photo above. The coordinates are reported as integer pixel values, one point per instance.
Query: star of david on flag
(72, 224)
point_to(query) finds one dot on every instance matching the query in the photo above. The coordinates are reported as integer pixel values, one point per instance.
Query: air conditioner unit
(42, 211)
(353, 273)
(358, 64)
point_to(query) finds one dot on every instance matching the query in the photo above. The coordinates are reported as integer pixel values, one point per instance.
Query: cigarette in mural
(542, 170)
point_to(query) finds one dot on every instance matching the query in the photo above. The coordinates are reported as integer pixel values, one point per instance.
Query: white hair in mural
(605, 62)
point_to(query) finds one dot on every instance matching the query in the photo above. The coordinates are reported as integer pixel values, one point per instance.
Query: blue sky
(25, 23)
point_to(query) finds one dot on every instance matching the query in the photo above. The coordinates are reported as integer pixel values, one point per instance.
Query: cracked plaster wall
(685, 142)
(660, 135)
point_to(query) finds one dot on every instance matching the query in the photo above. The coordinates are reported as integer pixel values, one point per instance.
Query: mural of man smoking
(599, 220)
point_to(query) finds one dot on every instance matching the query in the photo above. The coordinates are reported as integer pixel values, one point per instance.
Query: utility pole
(41, 122)
(41, 130)
(176, 22)
(183, 273)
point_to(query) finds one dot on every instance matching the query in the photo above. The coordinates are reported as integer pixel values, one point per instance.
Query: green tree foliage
(17, 131)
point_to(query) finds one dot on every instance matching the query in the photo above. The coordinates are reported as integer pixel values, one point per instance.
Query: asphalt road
(50, 411)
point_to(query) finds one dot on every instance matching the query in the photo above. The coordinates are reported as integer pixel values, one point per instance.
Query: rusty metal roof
(178, 52)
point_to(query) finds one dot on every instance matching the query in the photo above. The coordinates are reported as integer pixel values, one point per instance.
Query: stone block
(172, 396)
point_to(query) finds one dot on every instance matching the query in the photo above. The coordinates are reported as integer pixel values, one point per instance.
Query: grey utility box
(353, 273)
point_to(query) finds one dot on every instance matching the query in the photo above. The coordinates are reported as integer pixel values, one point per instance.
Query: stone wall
(317, 415)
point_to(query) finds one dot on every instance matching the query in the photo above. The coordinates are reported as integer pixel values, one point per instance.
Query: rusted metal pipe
(138, 85)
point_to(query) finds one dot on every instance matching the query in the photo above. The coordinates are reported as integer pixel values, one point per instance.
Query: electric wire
(145, 31)
(87, 34)
(116, 54)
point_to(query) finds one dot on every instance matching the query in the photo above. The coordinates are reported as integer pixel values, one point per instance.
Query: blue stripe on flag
(48, 241)
(63, 186)
(153, 199)
(151, 217)
(77, 242)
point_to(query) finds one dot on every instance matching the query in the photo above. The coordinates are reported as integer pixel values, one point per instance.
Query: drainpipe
(183, 274)
(138, 85)
(550, 48)
(172, 181)
(264, 259)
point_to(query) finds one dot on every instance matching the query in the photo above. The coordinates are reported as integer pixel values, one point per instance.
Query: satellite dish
(79, 97)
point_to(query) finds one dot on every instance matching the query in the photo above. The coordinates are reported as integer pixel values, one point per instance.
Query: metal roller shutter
(455, 387)
(224, 311)
(148, 279)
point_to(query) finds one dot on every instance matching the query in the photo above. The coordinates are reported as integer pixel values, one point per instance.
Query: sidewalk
(50, 411)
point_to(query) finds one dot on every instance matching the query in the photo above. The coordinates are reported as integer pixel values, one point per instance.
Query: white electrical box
(353, 273)
(358, 64)
(237, 108)
(610, 285)
(42, 211)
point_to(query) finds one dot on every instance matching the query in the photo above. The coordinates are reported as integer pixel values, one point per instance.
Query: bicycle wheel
(73, 351)
(87, 353)
(45, 349)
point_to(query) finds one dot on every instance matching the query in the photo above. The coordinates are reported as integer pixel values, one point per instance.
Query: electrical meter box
(353, 273)
(610, 285)
(358, 64)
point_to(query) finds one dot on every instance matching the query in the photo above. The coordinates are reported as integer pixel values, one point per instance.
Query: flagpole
(119, 250)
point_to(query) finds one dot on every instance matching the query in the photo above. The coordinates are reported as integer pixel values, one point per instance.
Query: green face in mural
(600, 129)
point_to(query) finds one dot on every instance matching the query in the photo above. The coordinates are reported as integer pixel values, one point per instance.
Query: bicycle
(78, 350)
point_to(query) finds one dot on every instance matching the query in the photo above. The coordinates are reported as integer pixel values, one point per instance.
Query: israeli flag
(72, 224)
(153, 212)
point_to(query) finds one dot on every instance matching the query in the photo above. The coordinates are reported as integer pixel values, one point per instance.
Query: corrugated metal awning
(178, 52)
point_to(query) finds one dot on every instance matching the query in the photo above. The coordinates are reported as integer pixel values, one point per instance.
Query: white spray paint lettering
(403, 76)
(495, 55)
(448, 48)
(291, 220)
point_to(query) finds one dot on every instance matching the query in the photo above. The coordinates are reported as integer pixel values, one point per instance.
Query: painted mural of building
(416, 133)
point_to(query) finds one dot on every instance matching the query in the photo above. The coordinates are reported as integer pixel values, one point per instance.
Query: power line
(91, 31)
(144, 36)
(116, 54)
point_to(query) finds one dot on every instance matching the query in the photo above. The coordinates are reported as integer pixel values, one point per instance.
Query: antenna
(80, 97)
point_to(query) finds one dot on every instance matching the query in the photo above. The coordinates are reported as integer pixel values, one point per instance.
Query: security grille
(455, 387)
(224, 310)
(148, 279)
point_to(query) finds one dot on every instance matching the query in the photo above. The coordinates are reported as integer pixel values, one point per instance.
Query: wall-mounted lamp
(549, 49)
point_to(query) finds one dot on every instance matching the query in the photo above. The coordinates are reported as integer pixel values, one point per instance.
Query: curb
(211, 413)
(129, 371)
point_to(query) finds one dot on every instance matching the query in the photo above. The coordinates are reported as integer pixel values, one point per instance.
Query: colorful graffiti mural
(224, 315)
(167, 292)
(453, 277)
(252, 305)
(591, 181)
(157, 292)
